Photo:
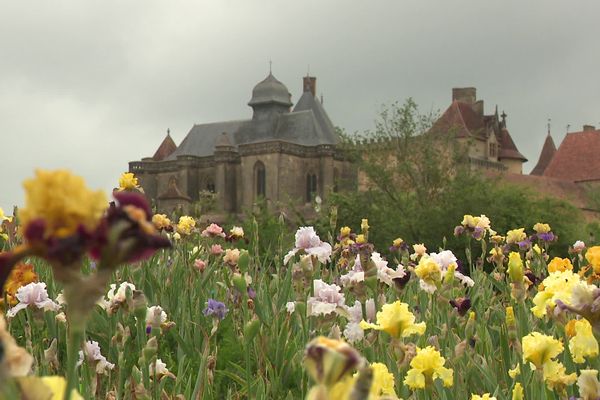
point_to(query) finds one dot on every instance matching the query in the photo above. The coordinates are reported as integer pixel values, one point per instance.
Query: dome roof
(270, 90)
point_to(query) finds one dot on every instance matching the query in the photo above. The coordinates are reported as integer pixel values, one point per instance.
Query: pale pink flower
(308, 241)
(353, 332)
(290, 307)
(200, 264)
(216, 249)
(33, 294)
(386, 274)
(327, 298)
(213, 230)
(578, 246)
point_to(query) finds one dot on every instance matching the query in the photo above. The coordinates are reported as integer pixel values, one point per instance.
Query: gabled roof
(548, 150)
(577, 158)
(460, 119)
(508, 149)
(165, 149)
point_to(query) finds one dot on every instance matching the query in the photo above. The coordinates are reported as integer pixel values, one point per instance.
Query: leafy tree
(418, 185)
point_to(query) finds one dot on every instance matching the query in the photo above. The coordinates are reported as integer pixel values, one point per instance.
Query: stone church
(286, 156)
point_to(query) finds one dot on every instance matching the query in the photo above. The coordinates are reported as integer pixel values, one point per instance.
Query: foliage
(420, 184)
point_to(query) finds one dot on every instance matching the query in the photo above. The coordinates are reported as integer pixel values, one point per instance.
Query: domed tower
(269, 99)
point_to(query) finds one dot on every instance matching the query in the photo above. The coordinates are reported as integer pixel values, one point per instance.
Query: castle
(283, 155)
(291, 156)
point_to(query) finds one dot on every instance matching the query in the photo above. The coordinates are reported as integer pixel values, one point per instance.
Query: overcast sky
(90, 85)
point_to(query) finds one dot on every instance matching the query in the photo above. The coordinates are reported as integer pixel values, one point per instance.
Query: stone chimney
(589, 128)
(309, 83)
(466, 95)
(478, 107)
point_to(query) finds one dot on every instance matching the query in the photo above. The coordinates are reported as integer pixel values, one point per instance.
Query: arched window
(311, 187)
(260, 178)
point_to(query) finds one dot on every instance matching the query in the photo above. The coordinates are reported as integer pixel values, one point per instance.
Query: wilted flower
(216, 309)
(426, 367)
(396, 320)
(33, 294)
(128, 181)
(186, 225)
(14, 360)
(309, 242)
(327, 298)
(213, 230)
(461, 304)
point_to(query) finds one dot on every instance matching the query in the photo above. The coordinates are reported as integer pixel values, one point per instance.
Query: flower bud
(151, 348)
(515, 267)
(251, 330)
(328, 361)
(244, 260)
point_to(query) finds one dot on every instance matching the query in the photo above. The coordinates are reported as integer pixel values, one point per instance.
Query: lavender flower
(216, 309)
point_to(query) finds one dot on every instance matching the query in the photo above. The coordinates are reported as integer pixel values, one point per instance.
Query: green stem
(76, 333)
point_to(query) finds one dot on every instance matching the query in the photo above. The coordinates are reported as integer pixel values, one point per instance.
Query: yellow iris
(128, 181)
(185, 225)
(396, 320)
(560, 265)
(485, 396)
(557, 286)
(62, 201)
(429, 271)
(540, 349)
(427, 366)
(515, 236)
(593, 257)
(583, 344)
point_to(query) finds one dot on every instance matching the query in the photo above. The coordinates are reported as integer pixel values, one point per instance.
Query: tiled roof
(508, 149)
(460, 119)
(546, 155)
(577, 158)
(165, 149)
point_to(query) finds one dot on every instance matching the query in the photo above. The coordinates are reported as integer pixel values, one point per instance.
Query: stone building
(284, 155)
(490, 145)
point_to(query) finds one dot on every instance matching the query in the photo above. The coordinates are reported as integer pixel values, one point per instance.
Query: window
(260, 179)
(311, 187)
(493, 149)
(210, 187)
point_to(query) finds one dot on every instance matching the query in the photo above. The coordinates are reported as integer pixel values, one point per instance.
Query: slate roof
(165, 149)
(270, 90)
(546, 156)
(508, 149)
(577, 158)
(307, 125)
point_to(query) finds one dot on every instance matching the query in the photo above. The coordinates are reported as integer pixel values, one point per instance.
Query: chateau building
(284, 155)
(575, 160)
(490, 145)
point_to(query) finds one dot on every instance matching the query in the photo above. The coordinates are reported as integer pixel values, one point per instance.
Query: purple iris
(215, 308)
(525, 244)
(546, 237)
(461, 304)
